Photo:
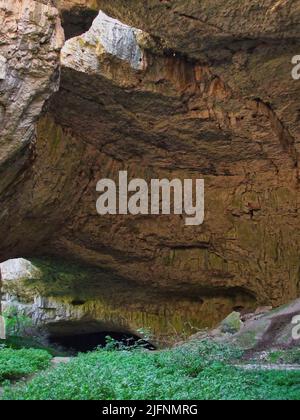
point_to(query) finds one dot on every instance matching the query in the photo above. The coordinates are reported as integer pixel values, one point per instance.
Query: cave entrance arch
(82, 337)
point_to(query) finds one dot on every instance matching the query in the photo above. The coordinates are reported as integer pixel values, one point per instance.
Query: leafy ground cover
(194, 371)
(16, 364)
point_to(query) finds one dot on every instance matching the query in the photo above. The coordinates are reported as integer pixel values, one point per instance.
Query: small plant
(130, 344)
(17, 324)
(111, 344)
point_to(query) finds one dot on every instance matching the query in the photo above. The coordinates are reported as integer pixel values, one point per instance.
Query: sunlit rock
(2, 67)
(31, 38)
(232, 324)
(18, 270)
(106, 36)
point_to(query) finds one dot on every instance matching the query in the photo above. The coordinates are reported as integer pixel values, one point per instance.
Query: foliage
(33, 342)
(17, 324)
(193, 371)
(291, 356)
(15, 364)
(130, 344)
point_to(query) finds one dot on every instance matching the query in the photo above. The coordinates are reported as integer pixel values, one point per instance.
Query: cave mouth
(84, 343)
(77, 21)
(78, 341)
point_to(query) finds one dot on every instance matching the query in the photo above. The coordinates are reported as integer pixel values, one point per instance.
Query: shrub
(17, 324)
(173, 374)
(16, 364)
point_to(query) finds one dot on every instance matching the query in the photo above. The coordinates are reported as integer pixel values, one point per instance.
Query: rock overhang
(106, 36)
(174, 117)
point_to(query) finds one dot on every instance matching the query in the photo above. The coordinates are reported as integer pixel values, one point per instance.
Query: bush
(16, 364)
(198, 372)
(17, 324)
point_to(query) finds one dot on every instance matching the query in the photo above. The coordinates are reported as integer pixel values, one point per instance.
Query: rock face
(31, 37)
(197, 91)
(261, 333)
(18, 270)
(107, 37)
(195, 27)
(64, 300)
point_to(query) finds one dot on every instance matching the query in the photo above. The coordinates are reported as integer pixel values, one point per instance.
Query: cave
(132, 95)
(83, 343)
(79, 305)
(81, 337)
(197, 92)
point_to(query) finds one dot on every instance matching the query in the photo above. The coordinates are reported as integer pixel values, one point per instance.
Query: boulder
(232, 324)
(18, 269)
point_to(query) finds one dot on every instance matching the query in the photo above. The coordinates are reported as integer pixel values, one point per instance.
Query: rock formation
(261, 332)
(180, 89)
(53, 296)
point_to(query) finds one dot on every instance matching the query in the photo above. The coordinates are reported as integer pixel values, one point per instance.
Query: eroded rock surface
(194, 27)
(30, 40)
(197, 91)
(66, 299)
(261, 333)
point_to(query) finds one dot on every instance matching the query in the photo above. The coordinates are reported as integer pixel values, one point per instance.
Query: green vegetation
(16, 364)
(17, 324)
(285, 356)
(19, 343)
(193, 371)
(22, 335)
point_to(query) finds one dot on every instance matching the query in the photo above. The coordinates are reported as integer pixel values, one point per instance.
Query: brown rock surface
(261, 334)
(202, 24)
(214, 99)
(31, 37)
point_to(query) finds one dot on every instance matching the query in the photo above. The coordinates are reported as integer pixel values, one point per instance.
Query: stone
(263, 310)
(117, 39)
(18, 270)
(106, 36)
(194, 27)
(258, 336)
(273, 330)
(232, 324)
(2, 67)
(31, 38)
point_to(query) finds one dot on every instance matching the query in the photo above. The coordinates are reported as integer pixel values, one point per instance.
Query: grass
(197, 371)
(16, 364)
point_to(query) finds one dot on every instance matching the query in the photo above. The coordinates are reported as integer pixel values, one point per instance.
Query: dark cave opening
(77, 21)
(87, 342)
